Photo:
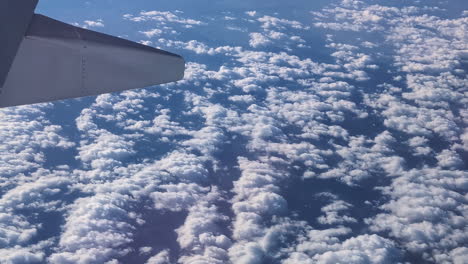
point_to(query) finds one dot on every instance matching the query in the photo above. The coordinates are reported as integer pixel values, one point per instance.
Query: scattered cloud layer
(374, 131)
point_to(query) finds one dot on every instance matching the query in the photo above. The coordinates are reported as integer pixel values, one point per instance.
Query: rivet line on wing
(83, 61)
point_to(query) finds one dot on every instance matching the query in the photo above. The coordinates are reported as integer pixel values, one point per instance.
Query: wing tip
(182, 72)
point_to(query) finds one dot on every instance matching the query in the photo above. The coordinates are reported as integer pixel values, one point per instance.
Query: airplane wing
(42, 60)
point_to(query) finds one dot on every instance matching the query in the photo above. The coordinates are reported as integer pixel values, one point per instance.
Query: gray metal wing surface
(54, 61)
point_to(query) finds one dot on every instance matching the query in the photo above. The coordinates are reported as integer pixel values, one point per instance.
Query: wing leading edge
(15, 18)
(58, 61)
